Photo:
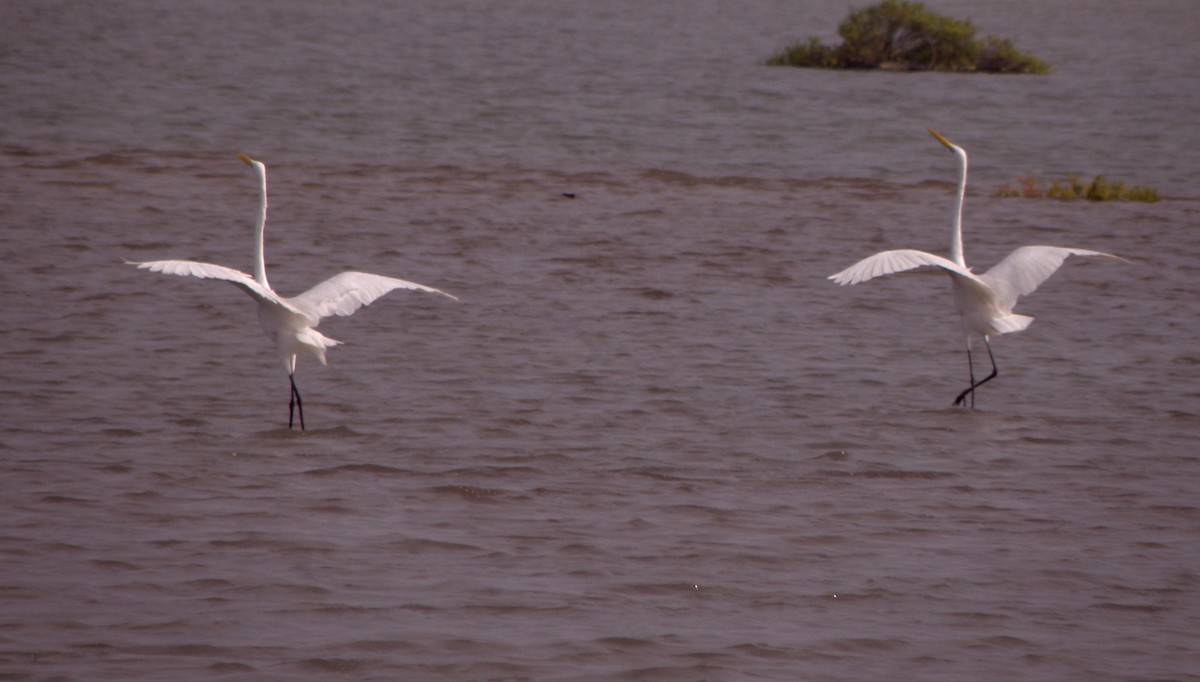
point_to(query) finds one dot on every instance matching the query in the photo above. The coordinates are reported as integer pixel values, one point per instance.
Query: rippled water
(652, 441)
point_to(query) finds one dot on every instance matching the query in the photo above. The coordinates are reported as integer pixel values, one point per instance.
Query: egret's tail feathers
(317, 343)
(1011, 323)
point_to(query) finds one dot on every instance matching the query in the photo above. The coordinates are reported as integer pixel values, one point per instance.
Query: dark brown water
(652, 441)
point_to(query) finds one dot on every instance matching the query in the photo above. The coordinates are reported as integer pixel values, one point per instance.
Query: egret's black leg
(294, 403)
(971, 389)
(993, 359)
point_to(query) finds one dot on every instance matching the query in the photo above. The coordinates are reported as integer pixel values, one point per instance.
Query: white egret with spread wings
(291, 322)
(985, 301)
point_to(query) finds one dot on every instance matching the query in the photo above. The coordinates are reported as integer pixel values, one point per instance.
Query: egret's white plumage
(291, 322)
(985, 301)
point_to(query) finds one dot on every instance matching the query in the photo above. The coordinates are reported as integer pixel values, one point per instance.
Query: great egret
(291, 322)
(984, 302)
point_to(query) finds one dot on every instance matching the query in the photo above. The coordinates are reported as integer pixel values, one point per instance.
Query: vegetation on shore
(904, 36)
(1072, 187)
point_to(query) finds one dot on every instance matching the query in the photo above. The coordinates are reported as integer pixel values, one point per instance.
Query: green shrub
(999, 55)
(904, 35)
(812, 53)
(1147, 194)
(1071, 187)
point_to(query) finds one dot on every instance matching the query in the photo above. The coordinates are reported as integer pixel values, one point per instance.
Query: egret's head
(938, 136)
(250, 162)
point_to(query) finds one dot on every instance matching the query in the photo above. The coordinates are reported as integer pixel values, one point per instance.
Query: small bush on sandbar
(905, 36)
(1072, 187)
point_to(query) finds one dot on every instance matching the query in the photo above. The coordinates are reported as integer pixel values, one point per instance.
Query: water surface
(652, 441)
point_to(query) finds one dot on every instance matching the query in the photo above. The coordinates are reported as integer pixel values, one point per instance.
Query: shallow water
(652, 441)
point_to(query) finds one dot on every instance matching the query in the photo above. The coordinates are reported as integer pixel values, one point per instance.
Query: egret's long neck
(956, 239)
(260, 262)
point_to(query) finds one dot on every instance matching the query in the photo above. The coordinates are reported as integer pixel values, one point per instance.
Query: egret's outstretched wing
(1024, 270)
(900, 260)
(191, 268)
(347, 292)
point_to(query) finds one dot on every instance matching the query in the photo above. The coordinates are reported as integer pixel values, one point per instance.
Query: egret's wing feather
(191, 268)
(1024, 270)
(347, 292)
(900, 260)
